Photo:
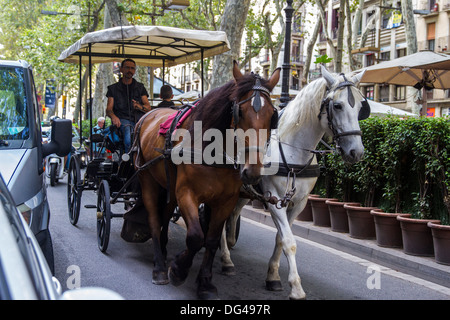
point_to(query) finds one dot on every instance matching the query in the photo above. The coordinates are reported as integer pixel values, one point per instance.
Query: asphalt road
(126, 268)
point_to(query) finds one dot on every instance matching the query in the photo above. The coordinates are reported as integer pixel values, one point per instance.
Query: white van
(22, 152)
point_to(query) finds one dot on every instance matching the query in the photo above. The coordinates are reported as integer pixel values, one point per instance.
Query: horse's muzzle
(250, 176)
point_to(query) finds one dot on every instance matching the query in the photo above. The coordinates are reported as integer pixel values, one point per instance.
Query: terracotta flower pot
(441, 242)
(416, 236)
(306, 214)
(320, 212)
(338, 215)
(387, 228)
(360, 222)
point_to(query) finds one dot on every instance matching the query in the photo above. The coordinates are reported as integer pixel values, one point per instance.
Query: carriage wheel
(103, 216)
(74, 190)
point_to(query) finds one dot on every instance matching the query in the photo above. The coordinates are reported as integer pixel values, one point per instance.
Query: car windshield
(13, 104)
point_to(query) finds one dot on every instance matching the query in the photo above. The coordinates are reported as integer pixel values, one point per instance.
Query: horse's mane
(214, 110)
(304, 108)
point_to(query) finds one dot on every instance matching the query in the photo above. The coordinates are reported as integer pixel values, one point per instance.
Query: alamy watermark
(374, 280)
(74, 279)
(236, 147)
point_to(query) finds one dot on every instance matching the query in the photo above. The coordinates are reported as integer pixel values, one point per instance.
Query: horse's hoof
(160, 277)
(174, 279)
(297, 298)
(228, 270)
(274, 285)
(208, 293)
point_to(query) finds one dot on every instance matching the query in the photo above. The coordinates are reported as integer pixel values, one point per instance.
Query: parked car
(24, 272)
(22, 151)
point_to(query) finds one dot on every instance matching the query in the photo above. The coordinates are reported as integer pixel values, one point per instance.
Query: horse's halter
(328, 104)
(236, 111)
(258, 89)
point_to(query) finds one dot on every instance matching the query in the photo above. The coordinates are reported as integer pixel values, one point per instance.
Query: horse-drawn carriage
(111, 173)
(152, 184)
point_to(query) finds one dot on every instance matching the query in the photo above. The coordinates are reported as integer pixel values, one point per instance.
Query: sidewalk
(422, 267)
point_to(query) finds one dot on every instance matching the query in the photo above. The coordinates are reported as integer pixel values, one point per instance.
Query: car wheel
(45, 241)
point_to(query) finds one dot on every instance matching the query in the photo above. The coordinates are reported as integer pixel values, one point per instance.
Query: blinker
(364, 113)
(257, 99)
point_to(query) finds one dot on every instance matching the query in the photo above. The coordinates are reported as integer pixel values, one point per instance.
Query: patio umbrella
(422, 70)
(378, 108)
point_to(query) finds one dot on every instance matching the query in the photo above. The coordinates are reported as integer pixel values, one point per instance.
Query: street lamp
(284, 97)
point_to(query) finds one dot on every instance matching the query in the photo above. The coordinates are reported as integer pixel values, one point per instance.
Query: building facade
(386, 40)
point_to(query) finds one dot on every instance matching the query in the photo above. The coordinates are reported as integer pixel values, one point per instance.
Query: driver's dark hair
(127, 60)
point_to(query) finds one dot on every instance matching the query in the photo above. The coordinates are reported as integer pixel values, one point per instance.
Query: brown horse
(243, 103)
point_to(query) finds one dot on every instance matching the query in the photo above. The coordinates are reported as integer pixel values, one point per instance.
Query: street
(126, 268)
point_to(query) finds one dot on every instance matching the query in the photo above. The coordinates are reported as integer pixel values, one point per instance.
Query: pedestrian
(166, 94)
(127, 102)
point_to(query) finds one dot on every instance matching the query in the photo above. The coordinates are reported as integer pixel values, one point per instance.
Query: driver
(127, 101)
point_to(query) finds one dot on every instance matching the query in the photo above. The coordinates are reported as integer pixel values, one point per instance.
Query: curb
(422, 267)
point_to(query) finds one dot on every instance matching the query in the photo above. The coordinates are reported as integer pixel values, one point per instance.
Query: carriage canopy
(154, 46)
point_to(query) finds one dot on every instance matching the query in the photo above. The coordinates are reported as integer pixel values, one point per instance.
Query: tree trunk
(410, 27)
(310, 48)
(325, 29)
(340, 37)
(349, 35)
(105, 76)
(233, 22)
(411, 47)
(311, 44)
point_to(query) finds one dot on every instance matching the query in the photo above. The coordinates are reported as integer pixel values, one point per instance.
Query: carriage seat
(110, 139)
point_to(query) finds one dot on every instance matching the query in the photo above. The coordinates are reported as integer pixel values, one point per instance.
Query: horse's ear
(274, 78)
(236, 72)
(357, 78)
(328, 77)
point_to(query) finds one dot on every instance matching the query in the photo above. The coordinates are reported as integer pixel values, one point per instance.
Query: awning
(155, 46)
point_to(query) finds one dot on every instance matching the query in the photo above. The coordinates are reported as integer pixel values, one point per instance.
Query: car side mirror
(61, 138)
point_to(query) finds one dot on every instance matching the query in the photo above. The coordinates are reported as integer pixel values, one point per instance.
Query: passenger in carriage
(166, 94)
(98, 129)
(127, 102)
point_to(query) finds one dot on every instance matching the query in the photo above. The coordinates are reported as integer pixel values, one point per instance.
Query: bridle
(258, 90)
(328, 104)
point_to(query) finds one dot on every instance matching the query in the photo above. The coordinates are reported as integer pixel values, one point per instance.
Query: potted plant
(441, 242)
(338, 215)
(306, 214)
(387, 228)
(360, 222)
(416, 236)
(320, 212)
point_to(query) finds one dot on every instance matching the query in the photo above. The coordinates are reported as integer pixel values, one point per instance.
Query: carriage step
(90, 206)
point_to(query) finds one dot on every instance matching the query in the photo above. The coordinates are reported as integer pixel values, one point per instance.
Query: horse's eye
(338, 106)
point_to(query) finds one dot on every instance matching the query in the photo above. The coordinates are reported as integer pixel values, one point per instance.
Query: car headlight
(28, 206)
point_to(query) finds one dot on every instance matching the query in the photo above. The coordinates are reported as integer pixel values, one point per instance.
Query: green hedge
(406, 168)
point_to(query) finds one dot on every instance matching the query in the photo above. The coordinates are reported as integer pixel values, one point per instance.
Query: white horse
(330, 105)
